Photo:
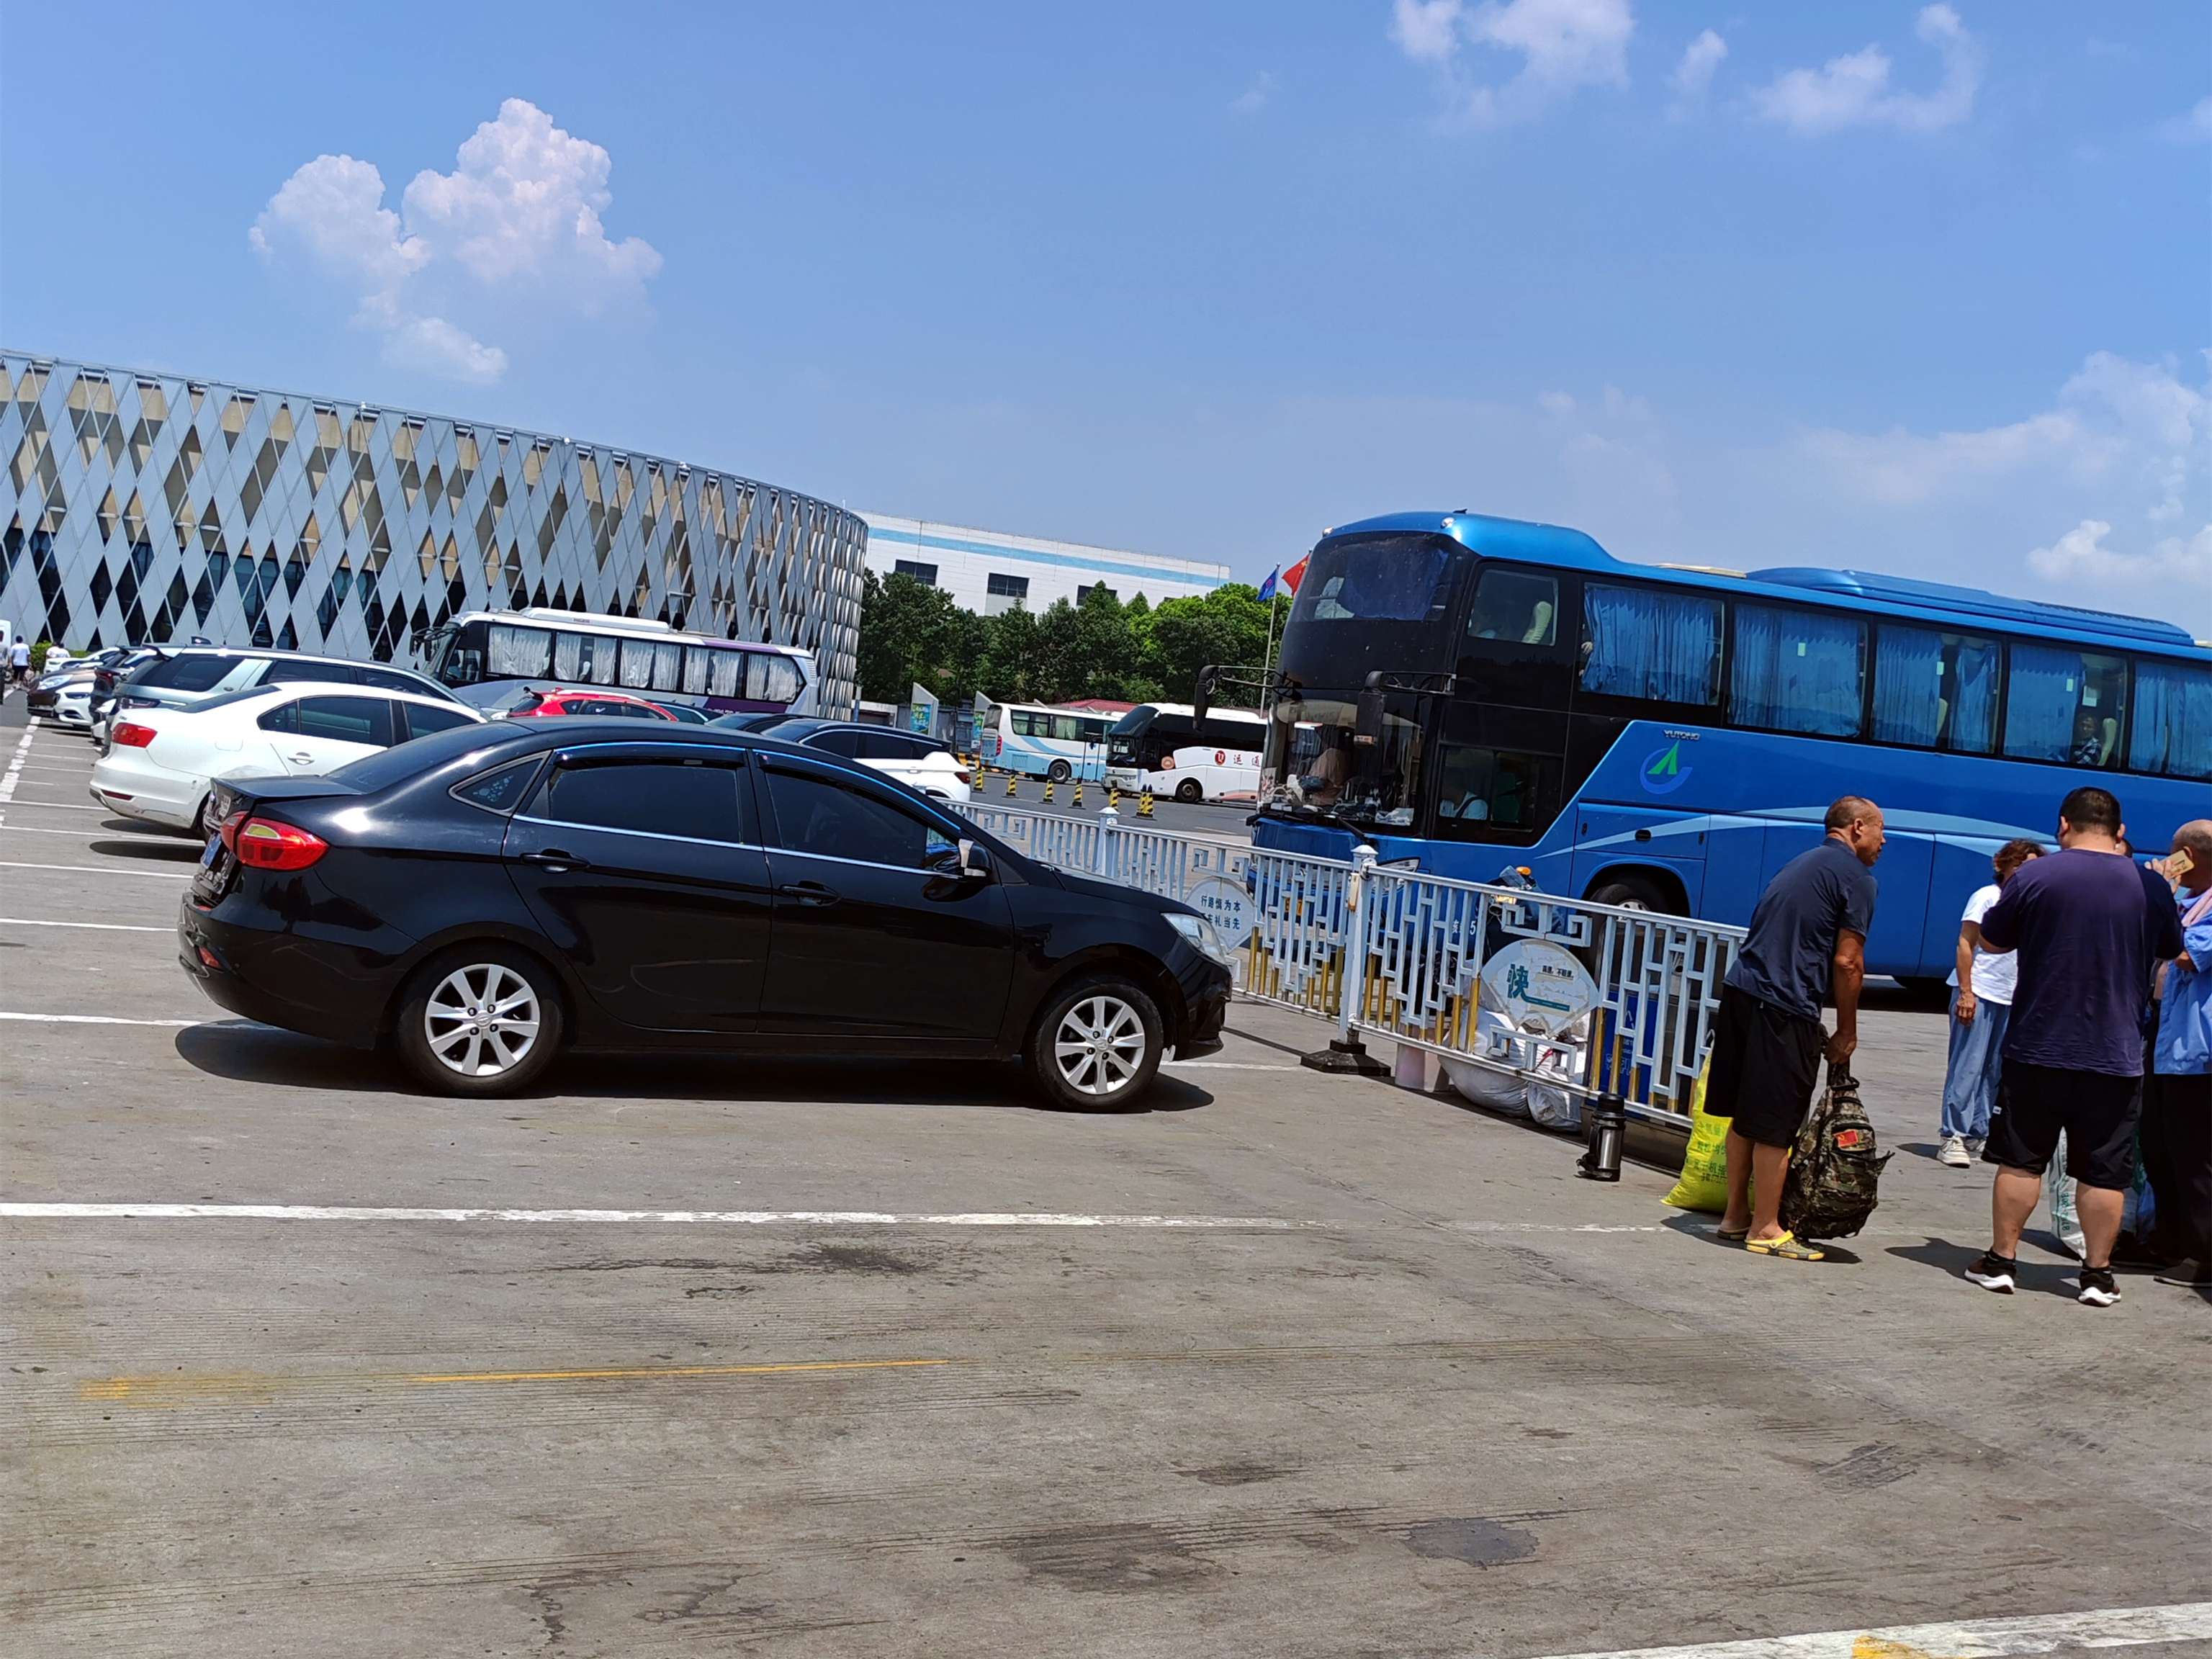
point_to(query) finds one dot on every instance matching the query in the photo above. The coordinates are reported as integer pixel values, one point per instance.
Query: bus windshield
(1317, 764)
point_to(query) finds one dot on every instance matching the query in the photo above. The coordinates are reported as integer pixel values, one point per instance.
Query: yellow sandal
(1787, 1245)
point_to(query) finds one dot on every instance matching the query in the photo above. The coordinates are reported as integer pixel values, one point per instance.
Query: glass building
(142, 508)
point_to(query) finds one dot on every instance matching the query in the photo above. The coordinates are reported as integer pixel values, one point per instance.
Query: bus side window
(2064, 706)
(1643, 642)
(725, 674)
(1486, 789)
(1518, 607)
(1797, 670)
(2173, 721)
(568, 658)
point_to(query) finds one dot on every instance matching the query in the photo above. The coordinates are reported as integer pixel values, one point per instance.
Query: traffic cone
(1012, 779)
(1048, 788)
(1145, 803)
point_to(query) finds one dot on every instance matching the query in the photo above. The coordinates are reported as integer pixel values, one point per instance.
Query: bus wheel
(1059, 771)
(1630, 893)
(1189, 789)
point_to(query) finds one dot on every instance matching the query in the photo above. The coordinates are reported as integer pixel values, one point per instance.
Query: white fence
(1587, 997)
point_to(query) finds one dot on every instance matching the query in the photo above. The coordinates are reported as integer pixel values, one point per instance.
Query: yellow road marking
(179, 1390)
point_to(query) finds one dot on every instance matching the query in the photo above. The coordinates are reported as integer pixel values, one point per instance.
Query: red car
(588, 700)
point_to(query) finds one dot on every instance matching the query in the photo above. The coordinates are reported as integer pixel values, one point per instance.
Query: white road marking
(1969, 1639)
(105, 926)
(733, 1218)
(14, 772)
(65, 806)
(103, 870)
(153, 837)
(102, 1019)
(1230, 1065)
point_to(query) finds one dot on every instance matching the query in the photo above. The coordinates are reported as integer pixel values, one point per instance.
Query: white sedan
(164, 759)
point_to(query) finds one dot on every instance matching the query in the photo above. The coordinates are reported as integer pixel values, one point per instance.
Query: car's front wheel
(1058, 772)
(1097, 1044)
(1190, 789)
(479, 1020)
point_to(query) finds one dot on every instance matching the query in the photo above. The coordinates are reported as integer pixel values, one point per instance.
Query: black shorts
(1765, 1062)
(2097, 1111)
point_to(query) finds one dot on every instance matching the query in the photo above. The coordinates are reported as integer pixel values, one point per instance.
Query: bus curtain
(1913, 693)
(1665, 646)
(1795, 672)
(2046, 692)
(2173, 721)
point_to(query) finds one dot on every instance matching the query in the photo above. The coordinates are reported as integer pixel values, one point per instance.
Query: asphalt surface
(1394, 1383)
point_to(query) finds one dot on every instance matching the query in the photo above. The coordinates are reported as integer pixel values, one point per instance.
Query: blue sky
(1901, 287)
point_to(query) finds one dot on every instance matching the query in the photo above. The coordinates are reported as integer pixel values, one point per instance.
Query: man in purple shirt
(2088, 927)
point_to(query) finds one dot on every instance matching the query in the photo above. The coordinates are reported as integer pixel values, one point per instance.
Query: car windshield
(201, 673)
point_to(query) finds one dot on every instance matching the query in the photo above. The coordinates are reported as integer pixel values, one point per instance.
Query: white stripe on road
(1230, 1065)
(15, 767)
(102, 1019)
(733, 1218)
(1969, 1639)
(105, 926)
(153, 837)
(103, 870)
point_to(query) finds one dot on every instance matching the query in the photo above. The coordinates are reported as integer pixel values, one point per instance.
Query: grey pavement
(1417, 1390)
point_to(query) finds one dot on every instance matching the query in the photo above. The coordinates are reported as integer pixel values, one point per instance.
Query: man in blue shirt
(2177, 1118)
(1808, 942)
(2088, 925)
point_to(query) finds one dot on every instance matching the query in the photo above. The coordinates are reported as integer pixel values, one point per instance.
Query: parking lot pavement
(861, 1358)
(1219, 817)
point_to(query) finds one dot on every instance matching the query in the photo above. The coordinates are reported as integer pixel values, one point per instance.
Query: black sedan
(484, 898)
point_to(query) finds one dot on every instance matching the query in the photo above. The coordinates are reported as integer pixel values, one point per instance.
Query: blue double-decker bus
(1468, 694)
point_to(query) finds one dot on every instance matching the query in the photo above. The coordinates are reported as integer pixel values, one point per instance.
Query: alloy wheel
(1099, 1045)
(481, 1020)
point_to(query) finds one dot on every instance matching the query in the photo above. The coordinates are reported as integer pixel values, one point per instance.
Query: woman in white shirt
(1981, 1005)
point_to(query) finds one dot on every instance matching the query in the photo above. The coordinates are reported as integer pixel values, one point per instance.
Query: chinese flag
(1296, 574)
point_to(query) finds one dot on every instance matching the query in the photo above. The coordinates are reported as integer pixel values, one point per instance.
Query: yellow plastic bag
(1704, 1185)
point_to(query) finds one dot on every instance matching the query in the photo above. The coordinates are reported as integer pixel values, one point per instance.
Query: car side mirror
(1367, 719)
(974, 862)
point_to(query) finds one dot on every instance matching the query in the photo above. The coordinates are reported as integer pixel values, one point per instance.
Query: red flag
(1296, 574)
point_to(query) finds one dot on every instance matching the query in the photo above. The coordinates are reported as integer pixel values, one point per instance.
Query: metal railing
(1587, 997)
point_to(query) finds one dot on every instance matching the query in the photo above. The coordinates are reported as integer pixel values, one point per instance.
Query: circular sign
(1538, 986)
(1223, 901)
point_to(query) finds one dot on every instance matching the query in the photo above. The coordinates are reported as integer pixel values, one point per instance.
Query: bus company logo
(1663, 772)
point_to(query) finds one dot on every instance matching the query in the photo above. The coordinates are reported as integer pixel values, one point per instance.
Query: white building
(987, 572)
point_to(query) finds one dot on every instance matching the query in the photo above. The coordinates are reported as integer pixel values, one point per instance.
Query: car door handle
(808, 892)
(304, 760)
(552, 858)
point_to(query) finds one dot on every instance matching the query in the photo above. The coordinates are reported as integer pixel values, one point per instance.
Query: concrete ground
(1400, 1385)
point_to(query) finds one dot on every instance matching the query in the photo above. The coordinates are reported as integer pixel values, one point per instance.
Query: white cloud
(1257, 96)
(1854, 90)
(516, 224)
(2192, 128)
(2126, 452)
(1564, 45)
(1700, 59)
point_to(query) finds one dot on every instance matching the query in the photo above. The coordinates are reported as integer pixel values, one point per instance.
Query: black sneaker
(2097, 1287)
(1993, 1271)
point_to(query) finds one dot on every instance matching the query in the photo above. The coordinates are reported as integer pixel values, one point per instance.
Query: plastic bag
(2065, 1224)
(1704, 1185)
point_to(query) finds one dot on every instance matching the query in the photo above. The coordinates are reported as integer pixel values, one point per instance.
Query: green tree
(907, 631)
(1228, 626)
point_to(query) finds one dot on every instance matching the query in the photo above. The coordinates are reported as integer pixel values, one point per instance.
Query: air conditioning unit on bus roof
(596, 618)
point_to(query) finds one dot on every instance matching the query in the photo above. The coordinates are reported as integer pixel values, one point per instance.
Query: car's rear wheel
(1059, 771)
(1190, 789)
(1097, 1044)
(1630, 893)
(479, 1020)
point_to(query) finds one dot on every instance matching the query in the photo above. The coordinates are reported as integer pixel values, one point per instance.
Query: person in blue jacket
(2177, 1126)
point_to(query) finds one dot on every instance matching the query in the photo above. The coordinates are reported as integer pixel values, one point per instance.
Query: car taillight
(228, 832)
(961, 772)
(268, 845)
(131, 735)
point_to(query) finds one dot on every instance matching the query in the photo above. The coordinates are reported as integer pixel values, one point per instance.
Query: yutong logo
(1663, 772)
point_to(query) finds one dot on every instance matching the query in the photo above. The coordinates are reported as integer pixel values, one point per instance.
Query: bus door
(1501, 768)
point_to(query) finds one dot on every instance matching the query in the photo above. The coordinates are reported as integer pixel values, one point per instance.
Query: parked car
(683, 713)
(562, 700)
(63, 693)
(677, 888)
(195, 674)
(918, 761)
(164, 761)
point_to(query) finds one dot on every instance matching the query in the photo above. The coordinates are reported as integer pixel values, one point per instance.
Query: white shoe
(1954, 1153)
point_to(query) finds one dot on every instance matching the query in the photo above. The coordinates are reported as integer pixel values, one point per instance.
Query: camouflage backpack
(1835, 1167)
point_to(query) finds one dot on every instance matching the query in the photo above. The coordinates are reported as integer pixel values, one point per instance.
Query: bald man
(1807, 945)
(2177, 1119)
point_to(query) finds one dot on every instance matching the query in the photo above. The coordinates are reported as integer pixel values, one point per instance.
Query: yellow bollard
(1012, 779)
(1145, 803)
(1048, 788)
(1113, 798)
(1079, 791)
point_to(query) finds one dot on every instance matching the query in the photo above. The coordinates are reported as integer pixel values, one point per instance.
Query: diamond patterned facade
(144, 507)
